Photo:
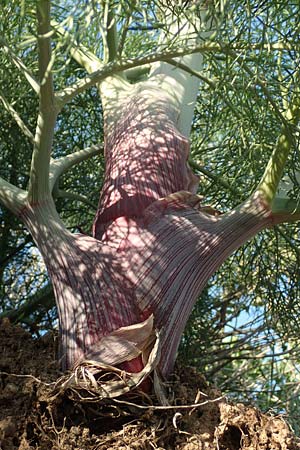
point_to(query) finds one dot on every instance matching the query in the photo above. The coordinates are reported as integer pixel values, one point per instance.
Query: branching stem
(60, 193)
(275, 167)
(61, 165)
(39, 173)
(115, 68)
(217, 179)
(20, 65)
(111, 36)
(11, 196)
(16, 117)
(79, 52)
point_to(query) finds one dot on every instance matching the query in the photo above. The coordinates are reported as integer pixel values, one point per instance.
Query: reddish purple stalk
(147, 256)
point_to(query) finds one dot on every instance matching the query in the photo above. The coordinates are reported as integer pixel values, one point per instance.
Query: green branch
(116, 67)
(217, 179)
(62, 165)
(16, 117)
(273, 173)
(20, 65)
(79, 52)
(111, 37)
(60, 193)
(274, 170)
(260, 83)
(39, 172)
(11, 196)
(211, 83)
(125, 27)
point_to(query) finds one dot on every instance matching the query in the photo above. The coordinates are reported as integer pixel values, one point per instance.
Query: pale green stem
(274, 170)
(111, 37)
(79, 52)
(20, 65)
(135, 74)
(217, 179)
(12, 197)
(273, 173)
(63, 164)
(60, 193)
(260, 83)
(124, 30)
(282, 85)
(16, 117)
(286, 205)
(39, 172)
(116, 68)
(210, 82)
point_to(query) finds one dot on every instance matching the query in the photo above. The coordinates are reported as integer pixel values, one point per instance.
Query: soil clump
(31, 420)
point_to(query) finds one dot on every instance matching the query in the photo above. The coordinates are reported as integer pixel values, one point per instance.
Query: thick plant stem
(152, 252)
(172, 251)
(153, 247)
(146, 157)
(156, 264)
(92, 293)
(178, 253)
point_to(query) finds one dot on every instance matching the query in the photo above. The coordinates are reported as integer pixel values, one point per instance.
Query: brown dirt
(30, 420)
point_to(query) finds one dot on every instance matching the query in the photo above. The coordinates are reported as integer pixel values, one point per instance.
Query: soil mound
(199, 417)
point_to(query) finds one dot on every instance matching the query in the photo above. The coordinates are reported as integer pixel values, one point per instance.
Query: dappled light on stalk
(119, 81)
(155, 243)
(155, 264)
(146, 158)
(86, 277)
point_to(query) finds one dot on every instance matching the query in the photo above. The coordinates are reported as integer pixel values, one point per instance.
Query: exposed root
(94, 381)
(91, 381)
